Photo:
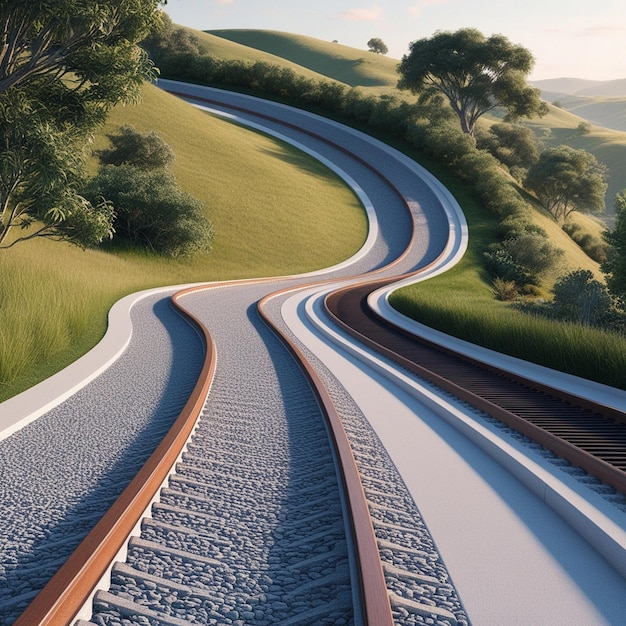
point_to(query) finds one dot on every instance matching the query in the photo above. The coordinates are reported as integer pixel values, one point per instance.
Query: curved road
(491, 593)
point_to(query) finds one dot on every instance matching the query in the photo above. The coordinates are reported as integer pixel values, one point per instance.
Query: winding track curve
(393, 237)
(405, 605)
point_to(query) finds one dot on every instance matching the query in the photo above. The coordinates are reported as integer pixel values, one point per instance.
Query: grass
(377, 74)
(275, 211)
(351, 66)
(460, 303)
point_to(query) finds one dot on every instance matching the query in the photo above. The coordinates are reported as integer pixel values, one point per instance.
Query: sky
(568, 38)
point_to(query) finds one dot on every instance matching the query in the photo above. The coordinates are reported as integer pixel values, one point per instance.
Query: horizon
(581, 41)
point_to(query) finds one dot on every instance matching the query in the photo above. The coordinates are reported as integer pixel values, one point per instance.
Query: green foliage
(513, 145)
(476, 74)
(615, 265)
(88, 49)
(589, 352)
(41, 173)
(142, 150)
(377, 45)
(579, 298)
(151, 211)
(63, 65)
(593, 246)
(567, 180)
(523, 259)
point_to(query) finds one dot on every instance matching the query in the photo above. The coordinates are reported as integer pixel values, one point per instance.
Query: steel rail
(587, 445)
(68, 590)
(374, 596)
(66, 593)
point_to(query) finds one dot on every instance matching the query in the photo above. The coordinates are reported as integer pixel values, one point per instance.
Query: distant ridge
(582, 87)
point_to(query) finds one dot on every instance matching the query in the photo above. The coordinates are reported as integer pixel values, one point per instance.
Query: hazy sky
(568, 38)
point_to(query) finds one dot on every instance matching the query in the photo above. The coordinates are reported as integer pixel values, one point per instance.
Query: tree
(41, 173)
(615, 265)
(150, 209)
(90, 44)
(63, 65)
(565, 180)
(523, 259)
(578, 297)
(513, 145)
(377, 45)
(476, 74)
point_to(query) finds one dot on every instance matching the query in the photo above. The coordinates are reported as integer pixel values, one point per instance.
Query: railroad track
(588, 434)
(214, 549)
(336, 544)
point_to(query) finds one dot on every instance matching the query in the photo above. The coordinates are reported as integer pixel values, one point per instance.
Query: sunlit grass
(275, 212)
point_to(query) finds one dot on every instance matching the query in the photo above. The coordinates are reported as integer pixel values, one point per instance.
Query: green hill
(377, 74)
(354, 67)
(275, 211)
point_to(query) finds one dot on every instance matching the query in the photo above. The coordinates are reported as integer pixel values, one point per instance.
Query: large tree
(63, 65)
(566, 180)
(475, 73)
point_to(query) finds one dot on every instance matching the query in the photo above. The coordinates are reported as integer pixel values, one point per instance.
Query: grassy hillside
(608, 146)
(275, 211)
(354, 67)
(230, 50)
(377, 74)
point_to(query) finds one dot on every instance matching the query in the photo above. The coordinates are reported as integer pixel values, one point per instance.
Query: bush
(523, 259)
(151, 211)
(578, 297)
(142, 150)
(505, 290)
(594, 247)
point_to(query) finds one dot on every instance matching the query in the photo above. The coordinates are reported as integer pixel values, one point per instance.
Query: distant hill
(354, 67)
(581, 87)
(600, 102)
(377, 74)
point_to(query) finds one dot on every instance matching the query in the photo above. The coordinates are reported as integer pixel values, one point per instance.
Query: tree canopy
(615, 265)
(151, 211)
(475, 73)
(132, 147)
(377, 45)
(566, 180)
(63, 65)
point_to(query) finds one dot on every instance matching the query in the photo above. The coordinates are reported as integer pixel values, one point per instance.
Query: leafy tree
(377, 45)
(565, 180)
(615, 265)
(92, 45)
(578, 297)
(41, 173)
(476, 74)
(513, 145)
(523, 259)
(151, 210)
(63, 64)
(143, 150)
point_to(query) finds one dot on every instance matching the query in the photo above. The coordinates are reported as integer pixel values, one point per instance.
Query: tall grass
(471, 314)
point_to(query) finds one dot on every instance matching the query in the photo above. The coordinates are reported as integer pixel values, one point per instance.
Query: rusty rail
(596, 437)
(375, 603)
(68, 590)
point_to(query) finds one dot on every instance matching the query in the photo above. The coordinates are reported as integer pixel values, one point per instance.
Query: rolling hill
(351, 66)
(603, 104)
